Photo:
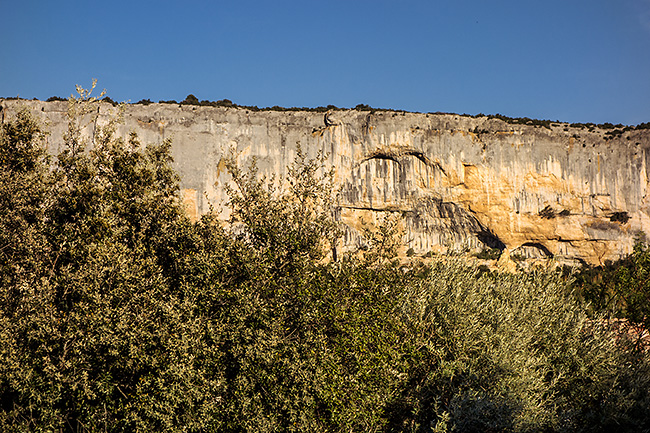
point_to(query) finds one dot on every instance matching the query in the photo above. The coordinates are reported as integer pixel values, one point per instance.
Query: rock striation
(456, 183)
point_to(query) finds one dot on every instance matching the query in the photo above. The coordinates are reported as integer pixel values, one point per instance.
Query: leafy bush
(620, 289)
(110, 101)
(521, 120)
(489, 254)
(90, 331)
(513, 352)
(190, 100)
(225, 103)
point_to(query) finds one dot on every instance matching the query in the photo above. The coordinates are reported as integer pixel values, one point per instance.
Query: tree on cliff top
(191, 100)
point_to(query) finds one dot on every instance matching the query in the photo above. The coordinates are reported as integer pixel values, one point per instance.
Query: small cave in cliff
(621, 217)
(547, 213)
(383, 156)
(419, 155)
(490, 239)
(532, 250)
(395, 155)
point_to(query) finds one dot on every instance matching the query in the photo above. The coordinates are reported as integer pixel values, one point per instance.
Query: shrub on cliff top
(190, 100)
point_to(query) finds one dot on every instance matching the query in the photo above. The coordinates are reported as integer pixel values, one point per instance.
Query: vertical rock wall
(454, 182)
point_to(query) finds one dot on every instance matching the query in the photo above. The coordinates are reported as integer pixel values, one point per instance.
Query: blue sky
(571, 60)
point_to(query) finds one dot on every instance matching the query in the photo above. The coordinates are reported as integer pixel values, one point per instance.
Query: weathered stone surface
(562, 192)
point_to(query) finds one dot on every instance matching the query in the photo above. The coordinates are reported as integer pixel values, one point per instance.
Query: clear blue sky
(572, 60)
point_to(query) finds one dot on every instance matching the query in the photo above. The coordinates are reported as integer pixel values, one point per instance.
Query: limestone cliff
(455, 182)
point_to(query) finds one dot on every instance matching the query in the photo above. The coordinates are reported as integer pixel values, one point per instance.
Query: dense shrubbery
(119, 314)
(522, 120)
(193, 100)
(145, 102)
(620, 289)
(110, 101)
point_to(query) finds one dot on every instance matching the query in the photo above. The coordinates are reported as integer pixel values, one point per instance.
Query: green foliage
(285, 225)
(23, 192)
(110, 101)
(620, 289)
(119, 314)
(514, 353)
(190, 100)
(489, 254)
(90, 331)
(522, 120)
(225, 103)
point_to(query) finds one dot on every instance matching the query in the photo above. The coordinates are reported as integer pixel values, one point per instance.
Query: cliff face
(454, 182)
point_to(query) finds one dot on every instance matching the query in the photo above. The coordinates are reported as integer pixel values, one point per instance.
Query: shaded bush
(90, 329)
(620, 289)
(190, 100)
(521, 120)
(489, 254)
(225, 103)
(621, 217)
(110, 101)
(502, 351)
